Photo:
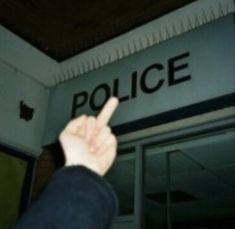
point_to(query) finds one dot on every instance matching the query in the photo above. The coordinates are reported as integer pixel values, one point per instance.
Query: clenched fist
(88, 141)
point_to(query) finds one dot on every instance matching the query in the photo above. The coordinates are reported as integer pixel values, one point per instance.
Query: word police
(175, 68)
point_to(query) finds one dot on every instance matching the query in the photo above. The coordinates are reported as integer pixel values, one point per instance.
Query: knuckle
(107, 129)
(91, 118)
(61, 136)
(73, 121)
(83, 117)
(113, 139)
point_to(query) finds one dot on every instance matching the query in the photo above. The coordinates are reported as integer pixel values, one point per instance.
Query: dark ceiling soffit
(68, 54)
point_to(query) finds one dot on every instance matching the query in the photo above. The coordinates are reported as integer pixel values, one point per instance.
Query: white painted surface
(170, 25)
(210, 65)
(24, 58)
(15, 132)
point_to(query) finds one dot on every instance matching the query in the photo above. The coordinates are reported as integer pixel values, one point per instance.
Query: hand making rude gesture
(88, 141)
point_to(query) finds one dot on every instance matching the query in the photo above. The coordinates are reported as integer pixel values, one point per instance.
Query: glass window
(155, 188)
(190, 184)
(122, 178)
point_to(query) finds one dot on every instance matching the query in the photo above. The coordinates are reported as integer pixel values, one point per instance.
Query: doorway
(190, 183)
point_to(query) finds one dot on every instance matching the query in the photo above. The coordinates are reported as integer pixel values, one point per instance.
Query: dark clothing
(75, 198)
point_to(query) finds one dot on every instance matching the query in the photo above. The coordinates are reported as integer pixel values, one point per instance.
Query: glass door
(189, 183)
(122, 178)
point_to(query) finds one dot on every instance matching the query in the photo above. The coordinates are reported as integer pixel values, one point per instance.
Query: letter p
(79, 100)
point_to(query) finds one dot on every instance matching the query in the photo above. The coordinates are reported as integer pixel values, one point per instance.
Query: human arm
(77, 195)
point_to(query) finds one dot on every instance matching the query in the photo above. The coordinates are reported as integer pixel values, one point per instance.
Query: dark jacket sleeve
(75, 198)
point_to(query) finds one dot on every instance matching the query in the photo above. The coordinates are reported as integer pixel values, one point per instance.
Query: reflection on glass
(155, 189)
(122, 177)
(202, 184)
(203, 171)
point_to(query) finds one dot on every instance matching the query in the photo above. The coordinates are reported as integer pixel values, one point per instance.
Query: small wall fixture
(26, 112)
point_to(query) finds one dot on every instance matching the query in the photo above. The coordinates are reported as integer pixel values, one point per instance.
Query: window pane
(122, 177)
(155, 188)
(203, 173)
(200, 182)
